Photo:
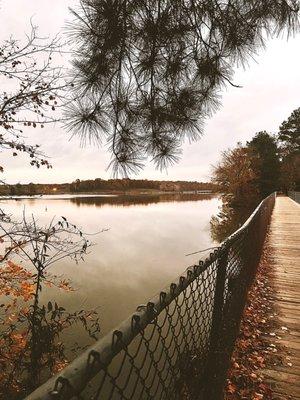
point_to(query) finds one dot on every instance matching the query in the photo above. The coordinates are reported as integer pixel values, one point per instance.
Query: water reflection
(231, 216)
(133, 200)
(143, 251)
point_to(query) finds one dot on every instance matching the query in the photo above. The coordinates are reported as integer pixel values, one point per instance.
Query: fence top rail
(245, 225)
(81, 370)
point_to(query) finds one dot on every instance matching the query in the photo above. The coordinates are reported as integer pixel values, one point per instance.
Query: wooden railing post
(214, 382)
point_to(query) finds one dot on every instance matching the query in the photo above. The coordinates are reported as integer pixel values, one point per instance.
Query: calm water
(144, 249)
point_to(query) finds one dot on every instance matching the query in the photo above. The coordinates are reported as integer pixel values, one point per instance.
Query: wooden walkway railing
(284, 244)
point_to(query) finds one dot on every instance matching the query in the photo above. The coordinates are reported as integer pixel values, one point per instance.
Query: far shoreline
(111, 193)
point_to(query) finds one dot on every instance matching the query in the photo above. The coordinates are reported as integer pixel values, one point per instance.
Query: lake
(144, 249)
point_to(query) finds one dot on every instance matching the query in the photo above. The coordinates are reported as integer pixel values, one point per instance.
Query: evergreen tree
(289, 139)
(267, 163)
(289, 134)
(148, 72)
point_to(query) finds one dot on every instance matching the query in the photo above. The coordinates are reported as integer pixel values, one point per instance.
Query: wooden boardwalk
(284, 243)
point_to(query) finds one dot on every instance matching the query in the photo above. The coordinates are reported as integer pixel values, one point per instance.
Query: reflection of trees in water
(232, 215)
(227, 221)
(30, 345)
(132, 200)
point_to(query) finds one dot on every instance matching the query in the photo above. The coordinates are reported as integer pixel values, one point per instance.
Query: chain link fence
(178, 345)
(295, 196)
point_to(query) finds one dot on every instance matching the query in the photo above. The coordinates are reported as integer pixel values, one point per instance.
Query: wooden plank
(284, 243)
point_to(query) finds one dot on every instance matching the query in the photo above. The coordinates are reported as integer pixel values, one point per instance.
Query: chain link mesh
(179, 345)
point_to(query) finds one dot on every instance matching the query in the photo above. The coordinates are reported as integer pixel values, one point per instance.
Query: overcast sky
(271, 91)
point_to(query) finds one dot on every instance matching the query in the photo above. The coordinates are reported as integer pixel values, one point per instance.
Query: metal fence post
(214, 382)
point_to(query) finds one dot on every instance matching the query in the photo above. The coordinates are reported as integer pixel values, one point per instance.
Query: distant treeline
(102, 185)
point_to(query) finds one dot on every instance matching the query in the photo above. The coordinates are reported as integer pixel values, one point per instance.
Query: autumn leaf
(231, 388)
